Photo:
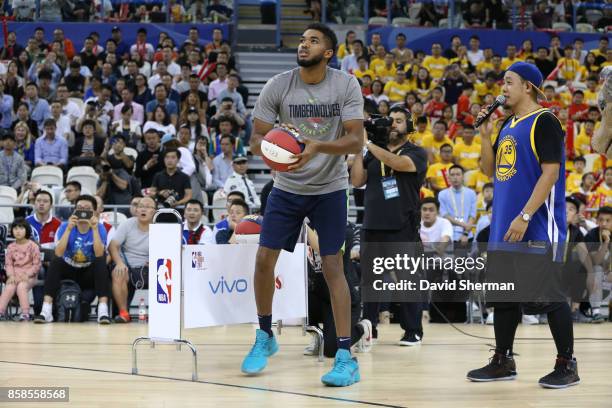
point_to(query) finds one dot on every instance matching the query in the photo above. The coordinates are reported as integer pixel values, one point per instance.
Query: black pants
(508, 316)
(320, 312)
(95, 277)
(411, 313)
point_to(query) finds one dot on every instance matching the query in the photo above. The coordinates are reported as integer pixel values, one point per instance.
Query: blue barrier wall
(422, 38)
(78, 31)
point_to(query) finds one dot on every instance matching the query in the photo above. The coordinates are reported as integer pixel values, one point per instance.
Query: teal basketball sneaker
(257, 359)
(345, 371)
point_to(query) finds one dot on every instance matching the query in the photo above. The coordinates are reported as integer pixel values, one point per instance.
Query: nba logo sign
(164, 280)
(197, 260)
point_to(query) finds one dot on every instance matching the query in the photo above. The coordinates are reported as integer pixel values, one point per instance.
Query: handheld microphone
(499, 101)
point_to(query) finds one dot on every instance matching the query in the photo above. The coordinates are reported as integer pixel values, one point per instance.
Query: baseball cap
(166, 138)
(115, 29)
(573, 200)
(531, 73)
(116, 138)
(240, 158)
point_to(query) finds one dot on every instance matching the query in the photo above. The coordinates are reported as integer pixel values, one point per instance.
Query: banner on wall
(165, 281)
(219, 285)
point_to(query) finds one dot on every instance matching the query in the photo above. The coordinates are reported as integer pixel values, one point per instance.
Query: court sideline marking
(302, 394)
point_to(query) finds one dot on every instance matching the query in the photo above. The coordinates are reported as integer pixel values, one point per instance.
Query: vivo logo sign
(224, 286)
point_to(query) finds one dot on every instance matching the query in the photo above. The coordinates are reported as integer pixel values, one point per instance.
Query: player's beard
(315, 60)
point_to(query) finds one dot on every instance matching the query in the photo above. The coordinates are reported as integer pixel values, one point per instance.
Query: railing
(116, 207)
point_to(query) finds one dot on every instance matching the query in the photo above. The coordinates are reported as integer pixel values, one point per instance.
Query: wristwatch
(526, 217)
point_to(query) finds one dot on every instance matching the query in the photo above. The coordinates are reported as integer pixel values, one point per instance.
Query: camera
(83, 214)
(106, 168)
(378, 128)
(171, 200)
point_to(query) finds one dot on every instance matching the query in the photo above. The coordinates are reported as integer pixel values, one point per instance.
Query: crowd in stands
(526, 15)
(446, 86)
(174, 11)
(166, 124)
(165, 121)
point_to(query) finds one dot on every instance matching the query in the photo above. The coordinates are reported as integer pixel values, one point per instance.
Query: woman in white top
(160, 122)
(128, 128)
(377, 92)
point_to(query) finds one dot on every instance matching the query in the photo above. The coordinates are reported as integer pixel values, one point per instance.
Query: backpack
(68, 302)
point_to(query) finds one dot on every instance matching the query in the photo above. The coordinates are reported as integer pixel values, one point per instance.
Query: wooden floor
(94, 361)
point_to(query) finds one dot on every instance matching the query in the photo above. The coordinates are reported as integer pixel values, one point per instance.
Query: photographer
(171, 186)
(79, 252)
(92, 113)
(115, 185)
(393, 171)
(227, 110)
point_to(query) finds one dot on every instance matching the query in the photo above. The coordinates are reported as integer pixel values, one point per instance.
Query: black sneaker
(410, 340)
(41, 319)
(565, 374)
(500, 368)
(104, 320)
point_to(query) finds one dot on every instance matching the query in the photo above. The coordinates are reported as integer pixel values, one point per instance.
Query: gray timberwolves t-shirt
(318, 112)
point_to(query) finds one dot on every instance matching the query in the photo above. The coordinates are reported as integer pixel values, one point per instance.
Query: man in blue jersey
(325, 107)
(526, 160)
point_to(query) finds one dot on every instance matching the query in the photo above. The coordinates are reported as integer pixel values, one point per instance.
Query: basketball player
(527, 161)
(326, 107)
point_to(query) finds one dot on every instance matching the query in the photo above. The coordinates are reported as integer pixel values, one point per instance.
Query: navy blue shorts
(285, 213)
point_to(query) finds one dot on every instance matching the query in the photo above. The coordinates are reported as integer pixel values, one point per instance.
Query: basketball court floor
(95, 362)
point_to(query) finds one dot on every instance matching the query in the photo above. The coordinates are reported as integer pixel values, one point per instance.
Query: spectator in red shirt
(434, 108)
(44, 224)
(58, 35)
(578, 109)
(463, 103)
(550, 101)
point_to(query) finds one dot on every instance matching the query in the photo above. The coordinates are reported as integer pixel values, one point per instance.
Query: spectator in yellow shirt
(591, 93)
(378, 59)
(569, 67)
(486, 64)
(422, 132)
(605, 189)
(574, 179)
(435, 63)
(484, 198)
(345, 48)
(582, 143)
(363, 68)
(423, 84)
(387, 71)
(467, 153)
(437, 139)
(477, 180)
(489, 86)
(437, 173)
(397, 89)
(511, 57)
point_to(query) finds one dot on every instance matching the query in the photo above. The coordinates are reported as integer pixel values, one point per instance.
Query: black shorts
(537, 280)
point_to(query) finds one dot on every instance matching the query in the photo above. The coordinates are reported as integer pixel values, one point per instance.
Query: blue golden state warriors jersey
(517, 170)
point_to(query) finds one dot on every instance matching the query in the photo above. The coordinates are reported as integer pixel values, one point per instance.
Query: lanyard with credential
(457, 215)
(382, 166)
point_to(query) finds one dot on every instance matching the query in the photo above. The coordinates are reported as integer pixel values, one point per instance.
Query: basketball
(247, 231)
(278, 147)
